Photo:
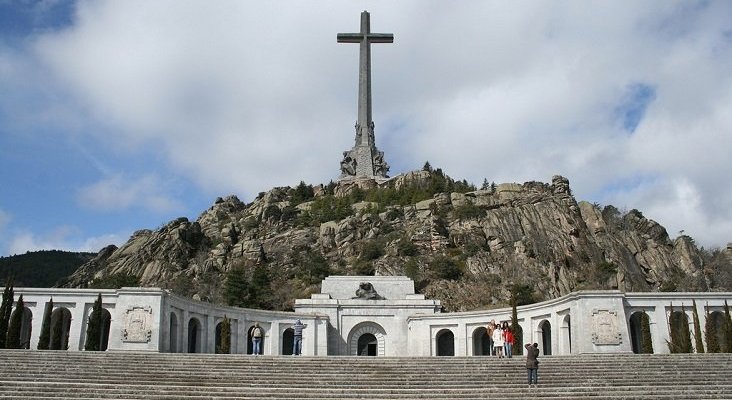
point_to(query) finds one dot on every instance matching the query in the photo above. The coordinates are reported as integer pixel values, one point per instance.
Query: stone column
(210, 332)
(78, 323)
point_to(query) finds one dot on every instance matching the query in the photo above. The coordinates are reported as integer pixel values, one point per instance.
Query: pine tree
(260, 291)
(16, 323)
(698, 342)
(236, 287)
(711, 335)
(94, 327)
(225, 346)
(44, 340)
(646, 342)
(5, 310)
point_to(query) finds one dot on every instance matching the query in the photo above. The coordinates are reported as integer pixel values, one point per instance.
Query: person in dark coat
(532, 364)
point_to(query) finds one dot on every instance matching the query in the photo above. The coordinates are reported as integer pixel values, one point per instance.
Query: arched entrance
(566, 334)
(250, 343)
(680, 335)
(219, 339)
(481, 342)
(445, 343)
(288, 340)
(372, 332)
(173, 333)
(25, 326)
(546, 337)
(368, 345)
(716, 333)
(640, 333)
(194, 336)
(60, 325)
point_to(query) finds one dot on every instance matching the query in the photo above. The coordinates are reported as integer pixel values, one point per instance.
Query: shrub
(115, 281)
(444, 267)
(371, 250)
(406, 247)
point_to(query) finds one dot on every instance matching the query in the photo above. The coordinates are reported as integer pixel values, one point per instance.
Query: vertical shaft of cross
(364, 159)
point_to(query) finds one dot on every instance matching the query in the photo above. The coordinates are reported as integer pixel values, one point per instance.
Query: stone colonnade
(151, 319)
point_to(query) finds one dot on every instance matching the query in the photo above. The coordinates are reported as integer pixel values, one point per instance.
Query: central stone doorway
(368, 345)
(367, 339)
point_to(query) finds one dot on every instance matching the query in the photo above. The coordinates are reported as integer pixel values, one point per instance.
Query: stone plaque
(137, 325)
(605, 327)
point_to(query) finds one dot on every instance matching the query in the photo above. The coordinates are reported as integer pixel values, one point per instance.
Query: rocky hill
(470, 248)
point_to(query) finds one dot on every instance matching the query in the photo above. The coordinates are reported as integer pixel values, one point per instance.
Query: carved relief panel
(137, 325)
(605, 328)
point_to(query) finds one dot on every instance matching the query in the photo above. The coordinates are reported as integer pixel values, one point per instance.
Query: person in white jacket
(498, 341)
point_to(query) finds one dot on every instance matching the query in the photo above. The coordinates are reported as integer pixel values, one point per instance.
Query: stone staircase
(114, 375)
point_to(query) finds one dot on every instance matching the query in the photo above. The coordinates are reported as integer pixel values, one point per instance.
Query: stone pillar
(210, 330)
(241, 337)
(273, 339)
(78, 323)
(660, 329)
(37, 323)
(184, 331)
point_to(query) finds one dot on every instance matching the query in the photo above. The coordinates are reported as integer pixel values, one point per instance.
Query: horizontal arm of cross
(371, 37)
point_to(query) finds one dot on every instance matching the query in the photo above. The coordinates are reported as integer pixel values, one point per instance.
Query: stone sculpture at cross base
(364, 159)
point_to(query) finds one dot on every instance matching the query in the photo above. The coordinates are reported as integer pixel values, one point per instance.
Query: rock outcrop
(466, 247)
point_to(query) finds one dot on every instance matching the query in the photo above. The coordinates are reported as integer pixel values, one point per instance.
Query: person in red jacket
(507, 340)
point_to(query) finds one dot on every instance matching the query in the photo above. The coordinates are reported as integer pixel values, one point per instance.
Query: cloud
(62, 238)
(118, 193)
(243, 96)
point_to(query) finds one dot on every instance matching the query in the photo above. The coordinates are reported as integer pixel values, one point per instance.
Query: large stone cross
(364, 159)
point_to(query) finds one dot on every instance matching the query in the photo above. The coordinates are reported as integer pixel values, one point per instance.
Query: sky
(117, 116)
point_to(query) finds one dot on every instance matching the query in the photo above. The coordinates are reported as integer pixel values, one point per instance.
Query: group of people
(503, 340)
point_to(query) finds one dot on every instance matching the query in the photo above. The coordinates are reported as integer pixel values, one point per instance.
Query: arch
(364, 328)
(445, 343)
(173, 342)
(716, 324)
(25, 326)
(288, 339)
(679, 333)
(250, 342)
(546, 337)
(481, 342)
(639, 326)
(566, 334)
(218, 340)
(194, 335)
(60, 326)
(368, 345)
(104, 330)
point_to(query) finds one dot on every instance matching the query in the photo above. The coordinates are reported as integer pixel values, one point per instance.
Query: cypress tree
(646, 342)
(679, 332)
(94, 327)
(711, 335)
(518, 340)
(727, 329)
(698, 342)
(225, 346)
(16, 323)
(44, 339)
(5, 309)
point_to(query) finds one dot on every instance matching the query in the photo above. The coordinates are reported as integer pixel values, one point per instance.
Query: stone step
(155, 392)
(86, 375)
